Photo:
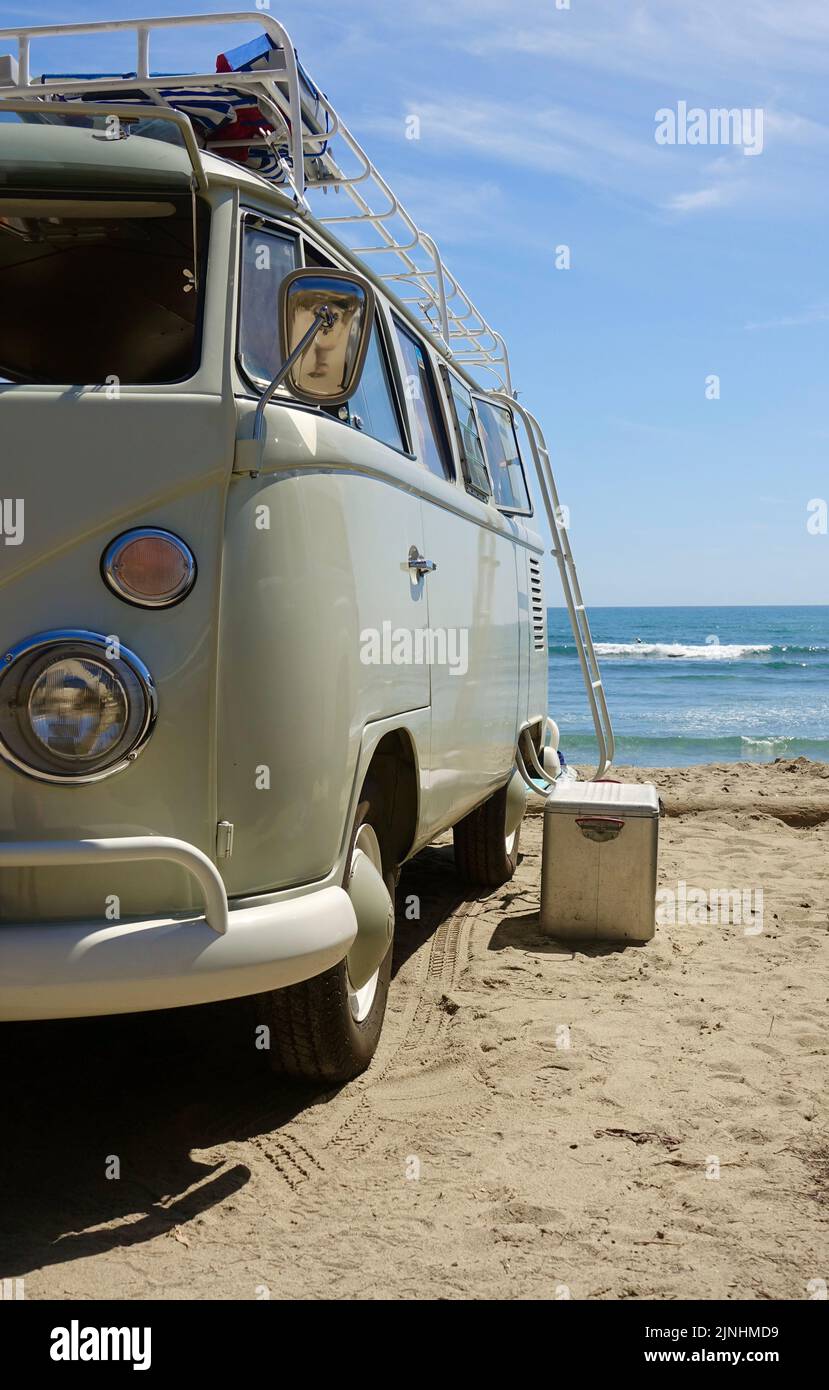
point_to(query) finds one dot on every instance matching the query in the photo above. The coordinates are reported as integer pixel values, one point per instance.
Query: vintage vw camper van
(270, 581)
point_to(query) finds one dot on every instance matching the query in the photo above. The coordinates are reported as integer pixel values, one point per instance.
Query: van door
(473, 611)
(318, 602)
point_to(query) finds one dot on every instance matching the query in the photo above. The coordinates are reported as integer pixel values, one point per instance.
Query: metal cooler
(598, 865)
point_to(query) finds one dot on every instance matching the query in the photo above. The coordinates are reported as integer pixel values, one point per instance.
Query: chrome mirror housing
(327, 370)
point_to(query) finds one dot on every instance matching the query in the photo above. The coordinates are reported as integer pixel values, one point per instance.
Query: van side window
(430, 443)
(267, 257)
(504, 458)
(372, 408)
(469, 440)
(315, 257)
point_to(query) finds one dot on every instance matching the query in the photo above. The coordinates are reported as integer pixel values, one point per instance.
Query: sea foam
(708, 651)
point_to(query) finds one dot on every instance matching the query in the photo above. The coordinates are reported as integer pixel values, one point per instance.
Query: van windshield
(94, 291)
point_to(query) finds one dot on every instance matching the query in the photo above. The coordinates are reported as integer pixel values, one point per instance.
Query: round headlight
(150, 568)
(77, 708)
(73, 707)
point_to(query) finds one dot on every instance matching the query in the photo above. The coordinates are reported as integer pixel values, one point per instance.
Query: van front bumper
(80, 969)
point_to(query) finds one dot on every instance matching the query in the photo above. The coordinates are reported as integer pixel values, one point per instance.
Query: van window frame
(471, 486)
(389, 363)
(201, 264)
(399, 325)
(274, 228)
(480, 399)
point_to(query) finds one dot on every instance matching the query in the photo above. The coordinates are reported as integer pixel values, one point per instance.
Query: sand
(678, 1148)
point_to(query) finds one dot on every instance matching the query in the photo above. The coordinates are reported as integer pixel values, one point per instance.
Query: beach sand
(678, 1148)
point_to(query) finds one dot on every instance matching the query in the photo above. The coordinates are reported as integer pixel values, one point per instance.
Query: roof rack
(302, 146)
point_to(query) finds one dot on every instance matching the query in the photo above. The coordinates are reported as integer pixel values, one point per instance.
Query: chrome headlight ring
(96, 682)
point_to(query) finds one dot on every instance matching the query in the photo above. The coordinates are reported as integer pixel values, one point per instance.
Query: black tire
(314, 1035)
(482, 856)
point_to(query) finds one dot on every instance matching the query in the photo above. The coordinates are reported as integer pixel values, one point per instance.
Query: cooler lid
(628, 799)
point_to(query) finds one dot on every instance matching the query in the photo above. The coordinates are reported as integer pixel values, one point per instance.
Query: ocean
(697, 685)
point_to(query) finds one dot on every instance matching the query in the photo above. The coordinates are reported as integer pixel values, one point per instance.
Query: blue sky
(537, 130)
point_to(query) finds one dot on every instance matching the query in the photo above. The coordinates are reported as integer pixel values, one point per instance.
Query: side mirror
(334, 311)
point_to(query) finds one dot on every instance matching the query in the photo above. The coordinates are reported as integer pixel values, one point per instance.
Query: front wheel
(327, 1028)
(486, 841)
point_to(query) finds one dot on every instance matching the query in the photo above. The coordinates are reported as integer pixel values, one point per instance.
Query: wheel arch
(389, 780)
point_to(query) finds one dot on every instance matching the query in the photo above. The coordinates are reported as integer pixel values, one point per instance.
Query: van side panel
(473, 609)
(316, 584)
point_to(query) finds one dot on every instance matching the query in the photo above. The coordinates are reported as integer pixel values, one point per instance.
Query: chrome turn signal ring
(149, 567)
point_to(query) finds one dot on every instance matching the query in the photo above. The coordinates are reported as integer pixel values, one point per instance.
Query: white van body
(360, 656)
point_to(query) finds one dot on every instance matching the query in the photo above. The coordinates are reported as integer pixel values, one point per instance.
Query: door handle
(419, 563)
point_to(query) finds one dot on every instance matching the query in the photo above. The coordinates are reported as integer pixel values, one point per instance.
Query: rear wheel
(486, 841)
(327, 1028)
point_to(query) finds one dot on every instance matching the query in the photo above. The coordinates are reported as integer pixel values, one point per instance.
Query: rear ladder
(576, 610)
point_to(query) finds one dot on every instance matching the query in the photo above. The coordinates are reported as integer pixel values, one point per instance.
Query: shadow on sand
(150, 1089)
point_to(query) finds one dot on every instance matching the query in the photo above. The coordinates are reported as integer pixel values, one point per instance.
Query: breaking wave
(694, 651)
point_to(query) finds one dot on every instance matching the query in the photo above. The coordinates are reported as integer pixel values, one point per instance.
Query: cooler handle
(599, 829)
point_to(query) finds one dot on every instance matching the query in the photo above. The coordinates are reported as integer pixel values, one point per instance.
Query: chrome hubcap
(374, 909)
(360, 1001)
(516, 806)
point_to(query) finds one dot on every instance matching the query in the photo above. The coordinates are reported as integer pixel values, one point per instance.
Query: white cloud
(818, 313)
(659, 40)
(787, 126)
(615, 152)
(548, 139)
(697, 202)
(594, 76)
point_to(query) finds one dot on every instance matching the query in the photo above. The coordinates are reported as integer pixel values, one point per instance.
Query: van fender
(415, 726)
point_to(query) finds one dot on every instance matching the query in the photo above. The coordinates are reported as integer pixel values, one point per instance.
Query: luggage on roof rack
(237, 122)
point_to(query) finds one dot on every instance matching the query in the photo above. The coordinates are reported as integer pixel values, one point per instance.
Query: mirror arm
(248, 450)
(322, 319)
